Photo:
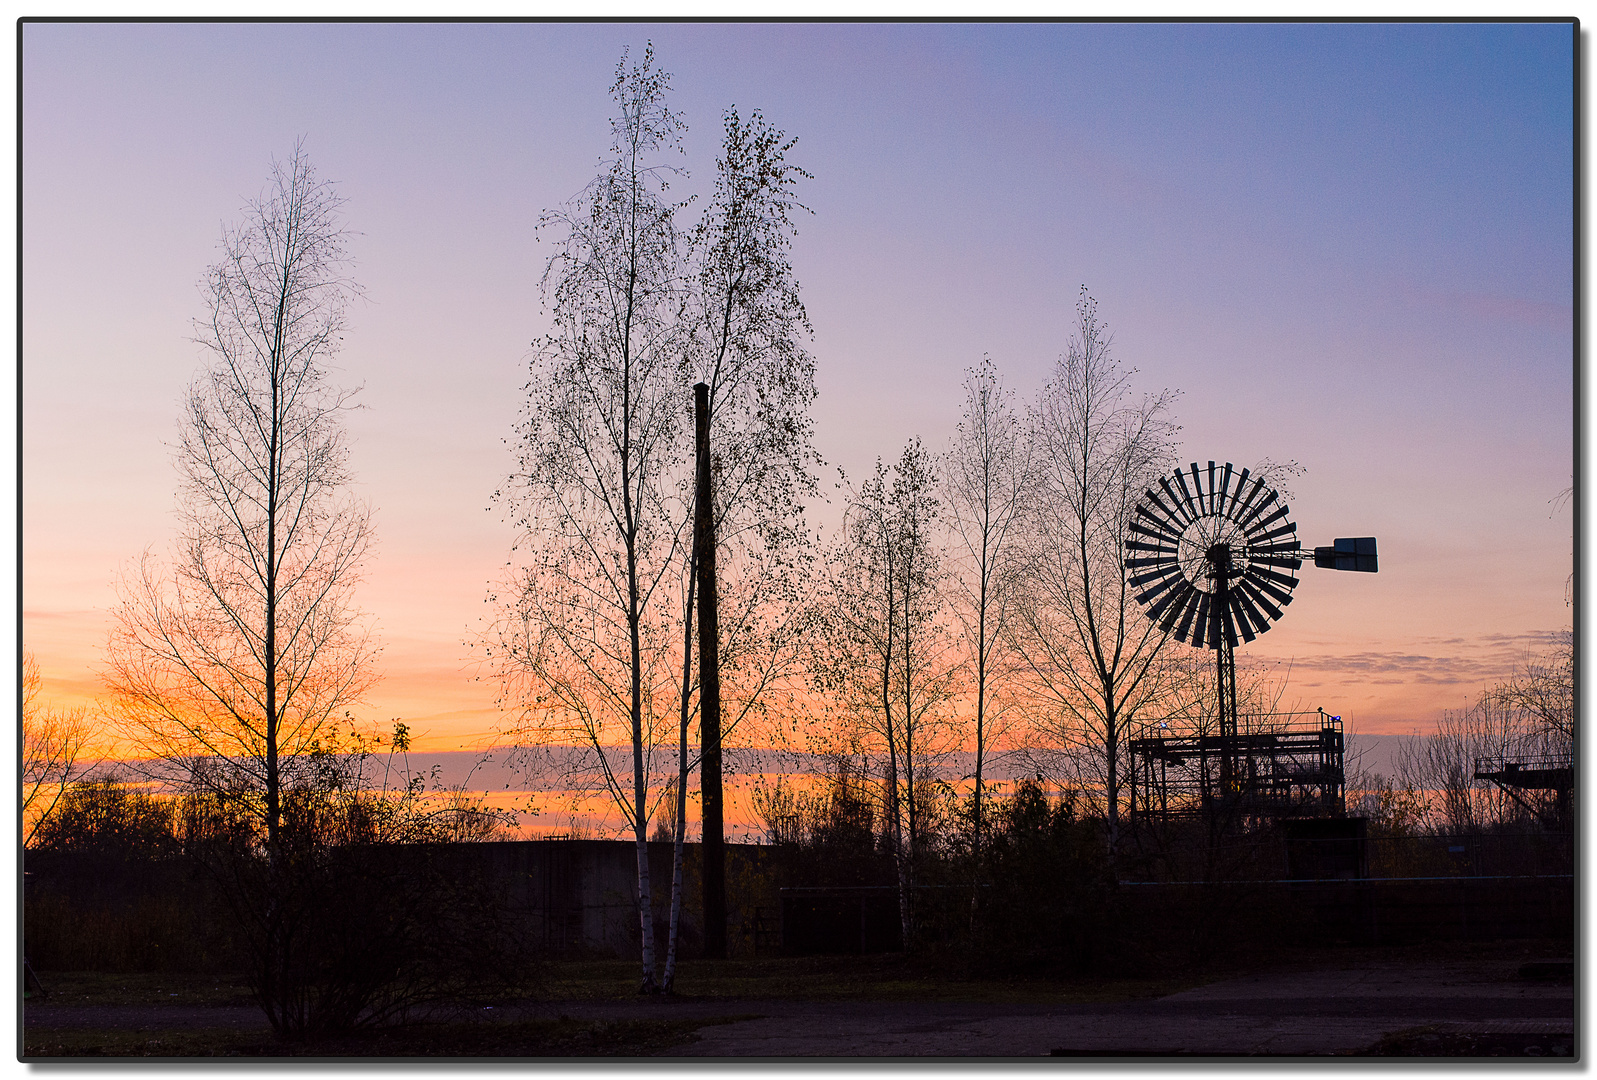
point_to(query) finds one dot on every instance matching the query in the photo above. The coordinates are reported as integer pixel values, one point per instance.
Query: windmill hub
(1200, 545)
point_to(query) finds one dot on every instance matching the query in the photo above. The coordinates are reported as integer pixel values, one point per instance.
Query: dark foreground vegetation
(395, 942)
(354, 917)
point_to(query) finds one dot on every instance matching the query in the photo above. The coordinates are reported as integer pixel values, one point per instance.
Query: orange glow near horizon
(452, 706)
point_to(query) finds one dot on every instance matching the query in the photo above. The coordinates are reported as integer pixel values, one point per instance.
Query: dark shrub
(361, 914)
(104, 816)
(1047, 905)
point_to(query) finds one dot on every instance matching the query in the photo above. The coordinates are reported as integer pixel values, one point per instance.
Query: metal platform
(1276, 765)
(1538, 774)
(1540, 785)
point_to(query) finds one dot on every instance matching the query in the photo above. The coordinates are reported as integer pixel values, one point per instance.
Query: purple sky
(1349, 245)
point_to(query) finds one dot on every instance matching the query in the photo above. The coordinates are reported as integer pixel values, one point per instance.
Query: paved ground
(1319, 1013)
(1328, 1011)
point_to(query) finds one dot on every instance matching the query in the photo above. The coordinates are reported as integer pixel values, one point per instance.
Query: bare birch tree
(1089, 653)
(230, 663)
(1441, 765)
(889, 662)
(1527, 719)
(986, 484)
(587, 645)
(230, 667)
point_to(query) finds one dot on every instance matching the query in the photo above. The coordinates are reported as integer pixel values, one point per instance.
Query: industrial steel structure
(1212, 557)
(1541, 785)
(1280, 765)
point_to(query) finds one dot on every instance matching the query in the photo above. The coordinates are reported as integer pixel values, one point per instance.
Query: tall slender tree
(601, 493)
(605, 491)
(1090, 655)
(888, 660)
(745, 326)
(230, 664)
(230, 667)
(987, 483)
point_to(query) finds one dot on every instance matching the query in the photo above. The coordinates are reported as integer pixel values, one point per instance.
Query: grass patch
(563, 1037)
(142, 988)
(883, 977)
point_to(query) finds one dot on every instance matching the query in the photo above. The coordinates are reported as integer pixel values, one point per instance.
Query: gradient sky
(1348, 245)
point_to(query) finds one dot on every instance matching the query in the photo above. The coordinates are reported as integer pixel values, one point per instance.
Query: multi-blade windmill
(1212, 557)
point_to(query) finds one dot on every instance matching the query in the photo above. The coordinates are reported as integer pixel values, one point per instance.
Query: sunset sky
(1348, 245)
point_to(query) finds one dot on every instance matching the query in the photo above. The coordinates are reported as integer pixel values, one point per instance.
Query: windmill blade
(1163, 592)
(1275, 560)
(1194, 619)
(1146, 539)
(1172, 612)
(1225, 490)
(1228, 625)
(1194, 477)
(1161, 575)
(1256, 599)
(1278, 553)
(1260, 530)
(1157, 574)
(1249, 617)
(1186, 497)
(1188, 609)
(1197, 489)
(1203, 625)
(1137, 548)
(1244, 504)
(1282, 596)
(1261, 508)
(1144, 523)
(1140, 577)
(1284, 533)
(1177, 509)
(1264, 574)
(1141, 549)
(1154, 509)
(1214, 494)
(1165, 609)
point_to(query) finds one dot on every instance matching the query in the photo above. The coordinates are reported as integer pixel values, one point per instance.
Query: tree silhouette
(227, 666)
(887, 661)
(588, 638)
(987, 482)
(585, 645)
(230, 667)
(53, 744)
(1089, 653)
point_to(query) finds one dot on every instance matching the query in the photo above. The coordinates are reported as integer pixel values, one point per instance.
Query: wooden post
(711, 848)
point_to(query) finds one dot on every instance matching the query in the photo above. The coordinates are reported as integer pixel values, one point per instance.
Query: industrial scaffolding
(1275, 765)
